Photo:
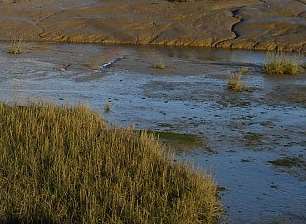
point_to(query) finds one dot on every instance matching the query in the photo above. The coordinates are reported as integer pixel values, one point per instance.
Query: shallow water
(242, 131)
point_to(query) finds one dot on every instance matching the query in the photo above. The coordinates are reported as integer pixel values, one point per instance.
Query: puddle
(189, 96)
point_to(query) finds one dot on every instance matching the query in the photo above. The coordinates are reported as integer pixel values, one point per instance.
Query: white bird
(110, 63)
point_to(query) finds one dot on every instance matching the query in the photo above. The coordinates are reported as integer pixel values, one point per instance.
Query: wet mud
(241, 133)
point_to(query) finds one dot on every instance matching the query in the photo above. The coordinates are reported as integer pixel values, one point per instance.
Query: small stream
(242, 131)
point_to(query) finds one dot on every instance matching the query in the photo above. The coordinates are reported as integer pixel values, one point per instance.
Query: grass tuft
(66, 165)
(16, 46)
(278, 63)
(235, 83)
(160, 66)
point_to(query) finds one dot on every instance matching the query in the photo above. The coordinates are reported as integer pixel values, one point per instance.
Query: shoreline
(118, 44)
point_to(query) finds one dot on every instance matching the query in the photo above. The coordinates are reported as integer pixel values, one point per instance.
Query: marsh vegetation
(235, 83)
(278, 63)
(16, 46)
(159, 66)
(289, 162)
(66, 165)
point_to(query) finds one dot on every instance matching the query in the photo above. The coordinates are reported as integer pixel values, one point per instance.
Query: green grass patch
(66, 165)
(178, 140)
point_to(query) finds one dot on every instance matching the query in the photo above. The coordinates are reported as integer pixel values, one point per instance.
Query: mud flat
(244, 24)
(253, 142)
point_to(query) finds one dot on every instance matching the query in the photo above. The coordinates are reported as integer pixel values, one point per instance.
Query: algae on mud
(289, 162)
(66, 165)
(178, 141)
(294, 165)
(253, 139)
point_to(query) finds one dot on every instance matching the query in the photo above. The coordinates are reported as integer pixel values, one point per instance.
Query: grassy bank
(66, 165)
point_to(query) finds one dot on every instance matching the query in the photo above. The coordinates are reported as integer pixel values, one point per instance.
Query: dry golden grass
(66, 165)
(235, 83)
(278, 63)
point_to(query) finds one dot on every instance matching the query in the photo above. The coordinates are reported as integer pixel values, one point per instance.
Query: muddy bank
(244, 24)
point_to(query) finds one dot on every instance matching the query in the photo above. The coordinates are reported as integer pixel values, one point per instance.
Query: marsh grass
(16, 46)
(235, 83)
(66, 165)
(278, 63)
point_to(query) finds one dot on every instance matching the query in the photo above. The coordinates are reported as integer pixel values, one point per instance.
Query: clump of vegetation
(235, 83)
(107, 107)
(16, 46)
(253, 138)
(159, 66)
(289, 162)
(243, 70)
(278, 63)
(66, 165)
